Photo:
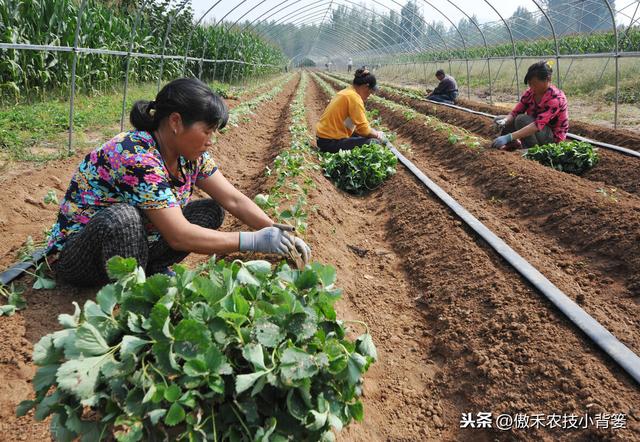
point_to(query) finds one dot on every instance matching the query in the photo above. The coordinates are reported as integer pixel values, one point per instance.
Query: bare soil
(457, 330)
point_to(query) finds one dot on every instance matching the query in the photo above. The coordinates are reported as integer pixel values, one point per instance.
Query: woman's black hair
(189, 97)
(540, 70)
(363, 76)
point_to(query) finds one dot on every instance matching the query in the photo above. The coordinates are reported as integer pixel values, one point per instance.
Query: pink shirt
(551, 111)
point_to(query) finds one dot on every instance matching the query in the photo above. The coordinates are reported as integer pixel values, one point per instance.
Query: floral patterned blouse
(126, 169)
(552, 111)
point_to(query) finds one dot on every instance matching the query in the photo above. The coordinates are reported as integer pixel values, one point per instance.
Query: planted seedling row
(291, 170)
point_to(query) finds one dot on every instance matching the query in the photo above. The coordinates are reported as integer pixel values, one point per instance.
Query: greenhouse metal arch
(344, 44)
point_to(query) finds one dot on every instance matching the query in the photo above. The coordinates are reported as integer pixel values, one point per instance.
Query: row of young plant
(13, 295)
(364, 168)
(571, 156)
(242, 111)
(291, 169)
(239, 351)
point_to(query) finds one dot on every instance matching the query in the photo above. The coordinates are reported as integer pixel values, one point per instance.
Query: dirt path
(491, 343)
(24, 329)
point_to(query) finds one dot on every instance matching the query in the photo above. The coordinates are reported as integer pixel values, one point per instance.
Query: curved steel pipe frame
(342, 40)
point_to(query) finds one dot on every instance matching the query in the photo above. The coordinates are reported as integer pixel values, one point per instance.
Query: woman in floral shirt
(131, 196)
(540, 117)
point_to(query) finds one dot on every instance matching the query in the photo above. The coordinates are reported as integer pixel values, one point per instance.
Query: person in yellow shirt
(343, 124)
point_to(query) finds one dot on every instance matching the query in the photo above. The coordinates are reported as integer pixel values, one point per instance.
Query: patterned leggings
(119, 231)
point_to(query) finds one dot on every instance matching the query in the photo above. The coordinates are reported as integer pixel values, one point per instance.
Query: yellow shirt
(344, 115)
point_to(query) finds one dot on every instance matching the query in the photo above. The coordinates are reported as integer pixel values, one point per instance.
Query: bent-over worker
(131, 196)
(540, 117)
(447, 89)
(343, 124)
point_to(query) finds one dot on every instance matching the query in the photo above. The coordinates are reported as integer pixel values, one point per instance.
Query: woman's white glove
(382, 137)
(304, 250)
(267, 240)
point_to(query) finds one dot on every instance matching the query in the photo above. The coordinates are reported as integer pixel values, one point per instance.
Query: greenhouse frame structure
(344, 43)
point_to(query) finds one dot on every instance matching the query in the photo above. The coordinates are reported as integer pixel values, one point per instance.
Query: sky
(232, 10)
(267, 7)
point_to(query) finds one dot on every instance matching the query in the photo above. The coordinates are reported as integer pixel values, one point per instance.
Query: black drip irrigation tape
(21, 267)
(619, 352)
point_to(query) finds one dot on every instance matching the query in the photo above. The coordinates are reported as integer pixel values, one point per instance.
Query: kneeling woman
(130, 197)
(541, 116)
(344, 124)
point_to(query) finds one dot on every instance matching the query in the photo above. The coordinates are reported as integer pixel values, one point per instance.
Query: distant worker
(540, 117)
(447, 89)
(349, 64)
(343, 124)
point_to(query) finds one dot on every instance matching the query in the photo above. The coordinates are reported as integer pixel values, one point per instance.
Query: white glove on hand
(268, 240)
(499, 124)
(382, 137)
(303, 249)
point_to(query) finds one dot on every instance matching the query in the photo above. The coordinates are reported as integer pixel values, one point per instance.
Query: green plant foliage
(108, 25)
(361, 169)
(574, 157)
(229, 351)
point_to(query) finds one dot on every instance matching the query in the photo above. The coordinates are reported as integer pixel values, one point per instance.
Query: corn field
(33, 73)
(603, 42)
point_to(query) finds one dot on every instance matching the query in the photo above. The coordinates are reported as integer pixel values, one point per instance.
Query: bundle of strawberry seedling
(574, 157)
(361, 169)
(229, 351)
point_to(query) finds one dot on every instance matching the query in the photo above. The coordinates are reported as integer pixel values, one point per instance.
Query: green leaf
(45, 377)
(327, 274)
(7, 310)
(206, 288)
(107, 298)
(297, 364)
(357, 411)
(258, 267)
(79, 376)
(89, 341)
(191, 337)
(159, 322)
(296, 405)
(267, 333)
(241, 305)
(245, 277)
(172, 393)
(70, 321)
(24, 407)
(131, 345)
(356, 366)
(118, 267)
(302, 325)
(245, 381)
(156, 415)
(44, 283)
(307, 279)
(366, 347)
(175, 415)
(253, 353)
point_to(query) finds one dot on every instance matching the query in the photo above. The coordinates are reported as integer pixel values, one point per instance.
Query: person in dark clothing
(447, 89)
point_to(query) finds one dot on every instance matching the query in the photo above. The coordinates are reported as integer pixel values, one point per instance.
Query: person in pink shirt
(540, 117)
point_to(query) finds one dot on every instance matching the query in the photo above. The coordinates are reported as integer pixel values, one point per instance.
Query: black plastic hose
(619, 352)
